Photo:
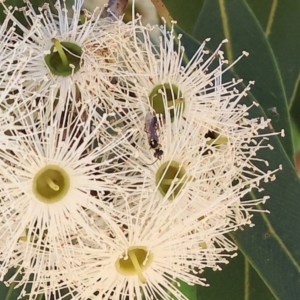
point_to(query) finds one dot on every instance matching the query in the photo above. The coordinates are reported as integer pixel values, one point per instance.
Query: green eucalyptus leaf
(189, 291)
(280, 21)
(294, 111)
(9, 292)
(184, 12)
(18, 4)
(237, 280)
(272, 245)
(12, 292)
(235, 21)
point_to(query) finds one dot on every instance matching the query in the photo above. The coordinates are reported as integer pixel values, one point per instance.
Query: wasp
(151, 129)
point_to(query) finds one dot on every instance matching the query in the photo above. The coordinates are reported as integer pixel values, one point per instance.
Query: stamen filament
(218, 141)
(137, 266)
(51, 184)
(169, 181)
(182, 180)
(173, 103)
(61, 52)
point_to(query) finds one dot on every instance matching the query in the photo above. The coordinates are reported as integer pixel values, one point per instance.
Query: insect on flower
(151, 129)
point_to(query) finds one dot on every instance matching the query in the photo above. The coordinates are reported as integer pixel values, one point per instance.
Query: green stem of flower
(51, 184)
(61, 52)
(175, 102)
(137, 266)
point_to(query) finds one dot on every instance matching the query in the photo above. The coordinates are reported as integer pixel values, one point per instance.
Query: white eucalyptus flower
(204, 131)
(55, 175)
(133, 184)
(72, 57)
(38, 275)
(11, 97)
(146, 255)
(175, 158)
(159, 76)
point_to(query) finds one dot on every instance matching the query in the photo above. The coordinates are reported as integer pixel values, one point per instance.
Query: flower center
(64, 58)
(167, 96)
(51, 184)
(134, 262)
(171, 177)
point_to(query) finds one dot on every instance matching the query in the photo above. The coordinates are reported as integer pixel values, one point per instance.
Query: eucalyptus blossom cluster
(122, 166)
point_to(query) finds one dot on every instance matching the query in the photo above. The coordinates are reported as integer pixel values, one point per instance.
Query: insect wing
(150, 125)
